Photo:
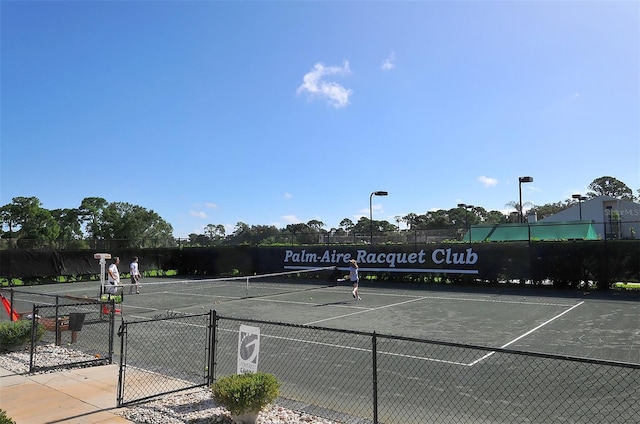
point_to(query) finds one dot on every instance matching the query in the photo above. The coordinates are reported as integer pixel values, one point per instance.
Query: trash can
(76, 319)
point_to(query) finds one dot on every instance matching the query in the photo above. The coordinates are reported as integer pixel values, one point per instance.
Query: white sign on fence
(248, 349)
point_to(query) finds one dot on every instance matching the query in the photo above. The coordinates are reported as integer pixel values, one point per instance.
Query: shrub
(17, 332)
(4, 419)
(248, 392)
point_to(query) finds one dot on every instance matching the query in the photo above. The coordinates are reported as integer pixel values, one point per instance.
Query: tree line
(27, 224)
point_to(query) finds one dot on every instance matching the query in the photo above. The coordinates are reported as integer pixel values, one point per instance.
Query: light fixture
(375, 193)
(580, 198)
(520, 181)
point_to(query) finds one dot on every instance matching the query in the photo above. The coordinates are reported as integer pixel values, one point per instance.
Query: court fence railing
(607, 230)
(84, 330)
(360, 377)
(73, 332)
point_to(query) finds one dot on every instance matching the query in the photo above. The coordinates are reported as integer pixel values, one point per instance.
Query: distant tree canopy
(552, 208)
(31, 226)
(609, 186)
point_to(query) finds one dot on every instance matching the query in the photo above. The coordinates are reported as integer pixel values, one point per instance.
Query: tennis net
(257, 285)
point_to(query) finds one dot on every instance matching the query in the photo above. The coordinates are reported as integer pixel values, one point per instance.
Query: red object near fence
(10, 311)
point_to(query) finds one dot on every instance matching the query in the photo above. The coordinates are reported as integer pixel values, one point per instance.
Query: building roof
(538, 231)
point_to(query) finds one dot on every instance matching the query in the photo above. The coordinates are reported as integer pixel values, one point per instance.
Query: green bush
(248, 392)
(4, 419)
(17, 332)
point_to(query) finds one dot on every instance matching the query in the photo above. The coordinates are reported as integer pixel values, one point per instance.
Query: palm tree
(516, 205)
(398, 219)
(410, 220)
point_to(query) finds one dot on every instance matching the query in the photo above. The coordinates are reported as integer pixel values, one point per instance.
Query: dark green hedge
(563, 264)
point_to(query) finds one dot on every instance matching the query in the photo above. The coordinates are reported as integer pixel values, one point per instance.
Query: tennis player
(114, 276)
(135, 275)
(354, 277)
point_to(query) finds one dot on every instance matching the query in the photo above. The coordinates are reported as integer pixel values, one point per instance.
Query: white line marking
(368, 350)
(366, 310)
(527, 333)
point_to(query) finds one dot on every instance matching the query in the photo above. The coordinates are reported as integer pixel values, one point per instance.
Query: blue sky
(283, 112)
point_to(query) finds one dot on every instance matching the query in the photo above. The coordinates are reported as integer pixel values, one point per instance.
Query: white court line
(366, 310)
(404, 355)
(413, 300)
(346, 304)
(360, 349)
(470, 299)
(205, 295)
(413, 296)
(527, 333)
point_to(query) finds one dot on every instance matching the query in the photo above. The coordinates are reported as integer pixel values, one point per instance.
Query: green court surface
(593, 325)
(462, 383)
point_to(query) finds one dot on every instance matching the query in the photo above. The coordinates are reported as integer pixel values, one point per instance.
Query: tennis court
(597, 326)
(330, 371)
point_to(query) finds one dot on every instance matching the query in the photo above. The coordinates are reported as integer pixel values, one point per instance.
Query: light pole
(520, 181)
(610, 226)
(580, 199)
(375, 193)
(466, 217)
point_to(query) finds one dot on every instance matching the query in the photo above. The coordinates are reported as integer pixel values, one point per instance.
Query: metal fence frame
(96, 349)
(612, 230)
(597, 377)
(166, 369)
(54, 313)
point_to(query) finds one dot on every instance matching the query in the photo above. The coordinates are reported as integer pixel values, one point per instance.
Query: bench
(49, 324)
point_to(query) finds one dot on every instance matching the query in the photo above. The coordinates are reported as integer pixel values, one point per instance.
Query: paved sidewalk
(78, 396)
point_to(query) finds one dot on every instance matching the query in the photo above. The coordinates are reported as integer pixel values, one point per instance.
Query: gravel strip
(189, 407)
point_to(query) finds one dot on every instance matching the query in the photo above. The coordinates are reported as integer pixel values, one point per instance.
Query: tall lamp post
(580, 198)
(520, 181)
(466, 217)
(375, 193)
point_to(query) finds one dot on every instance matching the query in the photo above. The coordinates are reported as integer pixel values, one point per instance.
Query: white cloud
(389, 63)
(211, 205)
(376, 209)
(487, 181)
(291, 219)
(316, 86)
(198, 214)
(288, 196)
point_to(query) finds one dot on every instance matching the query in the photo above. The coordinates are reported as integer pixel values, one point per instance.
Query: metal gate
(165, 355)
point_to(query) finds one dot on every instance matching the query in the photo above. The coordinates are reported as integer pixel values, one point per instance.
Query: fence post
(34, 329)
(375, 377)
(112, 320)
(57, 322)
(122, 333)
(213, 343)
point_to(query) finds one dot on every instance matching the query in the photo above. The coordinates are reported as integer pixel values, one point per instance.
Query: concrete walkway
(78, 396)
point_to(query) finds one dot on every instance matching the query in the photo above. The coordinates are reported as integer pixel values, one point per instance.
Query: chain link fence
(426, 381)
(357, 377)
(164, 355)
(606, 228)
(84, 330)
(77, 331)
